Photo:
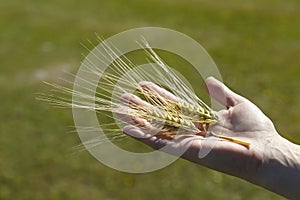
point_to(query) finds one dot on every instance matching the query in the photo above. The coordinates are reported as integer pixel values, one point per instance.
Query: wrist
(284, 152)
(280, 169)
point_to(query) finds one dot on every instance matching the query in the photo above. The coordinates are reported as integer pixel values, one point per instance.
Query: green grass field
(255, 44)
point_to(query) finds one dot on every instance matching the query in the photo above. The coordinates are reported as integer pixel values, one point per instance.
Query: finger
(129, 115)
(222, 94)
(160, 91)
(189, 147)
(179, 146)
(145, 137)
(134, 100)
(130, 119)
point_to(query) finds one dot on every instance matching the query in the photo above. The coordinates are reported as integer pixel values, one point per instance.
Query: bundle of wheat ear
(170, 112)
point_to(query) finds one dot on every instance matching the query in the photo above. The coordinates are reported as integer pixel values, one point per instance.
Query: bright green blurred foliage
(256, 45)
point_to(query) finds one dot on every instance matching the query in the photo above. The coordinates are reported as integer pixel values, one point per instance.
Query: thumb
(222, 94)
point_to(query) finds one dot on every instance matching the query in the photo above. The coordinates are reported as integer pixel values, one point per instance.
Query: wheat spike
(187, 115)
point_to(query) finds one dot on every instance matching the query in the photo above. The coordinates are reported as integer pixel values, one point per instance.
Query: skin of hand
(271, 161)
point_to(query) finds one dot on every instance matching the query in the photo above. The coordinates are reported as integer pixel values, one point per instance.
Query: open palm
(241, 120)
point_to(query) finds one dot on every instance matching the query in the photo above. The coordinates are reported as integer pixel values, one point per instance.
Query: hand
(241, 120)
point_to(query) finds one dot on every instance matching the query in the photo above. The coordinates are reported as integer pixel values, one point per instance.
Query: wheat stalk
(187, 114)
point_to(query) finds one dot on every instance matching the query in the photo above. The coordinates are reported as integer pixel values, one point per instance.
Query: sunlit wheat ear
(180, 112)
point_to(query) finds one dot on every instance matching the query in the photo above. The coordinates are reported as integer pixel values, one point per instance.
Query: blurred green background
(256, 45)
